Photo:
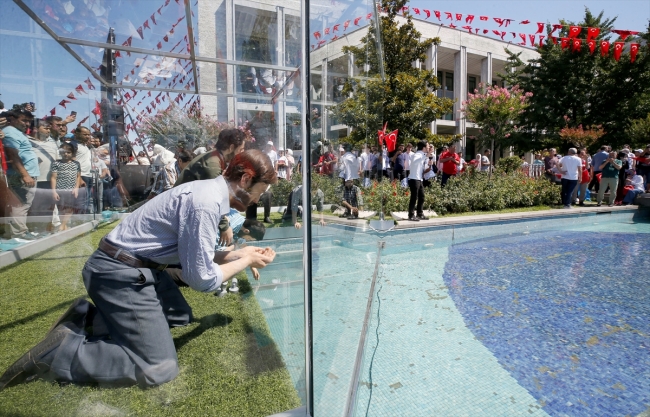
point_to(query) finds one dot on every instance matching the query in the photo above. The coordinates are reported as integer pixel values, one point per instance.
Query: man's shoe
(267, 220)
(344, 216)
(421, 217)
(414, 219)
(75, 314)
(567, 207)
(598, 205)
(32, 364)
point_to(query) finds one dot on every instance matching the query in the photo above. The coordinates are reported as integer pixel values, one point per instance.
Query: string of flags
(465, 21)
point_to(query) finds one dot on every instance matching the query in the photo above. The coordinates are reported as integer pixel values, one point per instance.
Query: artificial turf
(229, 365)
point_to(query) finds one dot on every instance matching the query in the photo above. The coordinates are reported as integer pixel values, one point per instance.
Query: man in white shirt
(571, 168)
(418, 165)
(637, 182)
(350, 163)
(366, 162)
(283, 166)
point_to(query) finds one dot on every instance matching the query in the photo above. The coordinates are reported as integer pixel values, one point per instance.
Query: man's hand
(297, 225)
(355, 211)
(261, 257)
(226, 237)
(70, 119)
(55, 196)
(29, 181)
(75, 192)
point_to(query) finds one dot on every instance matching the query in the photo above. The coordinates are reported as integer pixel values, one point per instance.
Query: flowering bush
(175, 125)
(580, 137)
(387, 195)
(496, 111)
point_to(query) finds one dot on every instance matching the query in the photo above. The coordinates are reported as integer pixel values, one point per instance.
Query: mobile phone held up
(73, 113)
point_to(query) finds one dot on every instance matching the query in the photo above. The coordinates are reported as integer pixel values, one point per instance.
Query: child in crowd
(65, 181)
(245, 230)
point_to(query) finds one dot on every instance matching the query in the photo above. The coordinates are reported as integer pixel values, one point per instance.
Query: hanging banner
(592, 33)
(574, 31)
(592, 46)
(577, 45)
(634, 49)
(618, 48)
(604, 48)
(565, 42)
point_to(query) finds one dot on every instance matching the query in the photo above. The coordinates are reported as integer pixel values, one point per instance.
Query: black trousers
(265, 199)
(594, 181)
(417, 194)
(445, 177)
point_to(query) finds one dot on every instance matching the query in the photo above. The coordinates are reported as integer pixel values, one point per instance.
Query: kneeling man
(135, 300)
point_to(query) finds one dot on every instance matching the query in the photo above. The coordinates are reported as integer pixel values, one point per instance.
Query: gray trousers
(130, 342)
(24, 198)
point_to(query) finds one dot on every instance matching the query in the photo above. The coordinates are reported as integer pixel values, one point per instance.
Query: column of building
(460, 94)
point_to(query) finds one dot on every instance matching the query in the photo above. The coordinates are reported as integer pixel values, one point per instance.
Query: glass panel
(137, 124)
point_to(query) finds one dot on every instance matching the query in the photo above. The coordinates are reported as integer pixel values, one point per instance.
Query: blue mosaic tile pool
(534, 318)
(567, 313)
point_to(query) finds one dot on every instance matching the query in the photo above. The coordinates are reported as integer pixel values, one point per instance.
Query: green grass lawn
(229, 365)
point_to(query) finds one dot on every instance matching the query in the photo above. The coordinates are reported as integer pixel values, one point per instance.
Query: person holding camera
(609, 170)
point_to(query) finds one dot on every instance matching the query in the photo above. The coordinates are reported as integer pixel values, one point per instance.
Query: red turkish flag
(437, 13)
(89, 84)
(428, 13)
(556, 27)
(79, 89)
(576, 45)
(448, 16)
(565, 43)
(554, 39)
(469, 19)
(327, 31)
(484, 18)
(541, 40)
(346, 24)
(159, 45)
(507, 21)
(496, 32)
(336, 27)
(146, 24)
(97, 110)
(524, 22)
(499, 21)
(356, 21)
(469, 28)
(604, 48)
(317, 35)
(451, 25)
(416, 10)
(592, 33)
(523, 37)
(624, 33)
(540, 28)
(153, 19)
(139, 30)
(53, 112)
(166, 38)
(485, 31)
(592, 46)
(503, 35)
(634, 49)
(574, 31)
(380, 135)
(391, 140)
(532, 39)
(459, 16)
(71, 96)
(618, 48)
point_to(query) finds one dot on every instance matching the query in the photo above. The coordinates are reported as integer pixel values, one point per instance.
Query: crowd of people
(622, 175)
(52, 171)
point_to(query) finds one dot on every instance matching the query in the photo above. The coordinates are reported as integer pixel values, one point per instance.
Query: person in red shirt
(450, 162)
(327, 162)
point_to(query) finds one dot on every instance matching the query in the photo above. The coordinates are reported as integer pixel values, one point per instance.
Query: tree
(590, 89)
(579, 137)
(392, 90)
(189, 127)
(639, 132)
(497, 111)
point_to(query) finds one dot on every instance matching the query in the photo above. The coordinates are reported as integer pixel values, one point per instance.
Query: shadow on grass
(34, 316)
(205, 323)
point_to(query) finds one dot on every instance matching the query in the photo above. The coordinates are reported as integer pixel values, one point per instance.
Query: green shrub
(509, 164)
